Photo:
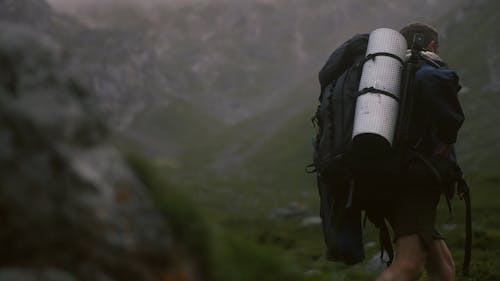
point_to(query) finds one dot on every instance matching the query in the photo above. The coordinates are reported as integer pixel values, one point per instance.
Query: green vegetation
(239, 244)
(220, 253)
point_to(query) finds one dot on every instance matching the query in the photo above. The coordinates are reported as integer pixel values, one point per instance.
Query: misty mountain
(226, 61)
(221, 81)
(230, 58)
(36, 13)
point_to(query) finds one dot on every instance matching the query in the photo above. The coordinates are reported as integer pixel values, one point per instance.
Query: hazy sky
(74, 5)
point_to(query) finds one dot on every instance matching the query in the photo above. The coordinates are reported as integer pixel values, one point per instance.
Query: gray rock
(311, 221)
(67, 197)
(293, 209)
(449, 226)
(312, 272)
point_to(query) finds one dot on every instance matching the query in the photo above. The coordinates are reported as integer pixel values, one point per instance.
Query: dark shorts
(414, 211)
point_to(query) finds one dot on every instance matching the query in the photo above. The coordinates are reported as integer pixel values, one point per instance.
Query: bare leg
(409, 261)
(440, 265)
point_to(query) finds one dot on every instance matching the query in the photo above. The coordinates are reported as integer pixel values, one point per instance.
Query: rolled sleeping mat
(377, 105)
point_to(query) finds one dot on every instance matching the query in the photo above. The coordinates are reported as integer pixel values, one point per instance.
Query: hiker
(438, 116)
(401, 185)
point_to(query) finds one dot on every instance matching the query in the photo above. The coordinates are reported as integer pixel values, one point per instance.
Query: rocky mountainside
(230, 58)
(180, 71)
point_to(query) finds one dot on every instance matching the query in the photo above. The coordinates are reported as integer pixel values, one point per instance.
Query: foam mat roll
(377, 113)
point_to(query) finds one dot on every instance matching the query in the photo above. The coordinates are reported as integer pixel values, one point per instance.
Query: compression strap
(383, 54)
(464, 193)
(385, 243)
(373, 90)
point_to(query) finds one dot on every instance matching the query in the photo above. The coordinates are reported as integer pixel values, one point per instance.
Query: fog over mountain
(230, 58)
(167, 73)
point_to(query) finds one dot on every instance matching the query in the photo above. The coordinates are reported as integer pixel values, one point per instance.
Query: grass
(220, 253)
(230, 231)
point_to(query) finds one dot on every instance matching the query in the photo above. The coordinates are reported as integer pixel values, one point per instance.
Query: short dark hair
(430, 33)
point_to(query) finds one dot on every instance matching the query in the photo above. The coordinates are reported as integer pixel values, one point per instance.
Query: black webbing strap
(383, 54)
(450, 209)
(385, 242)
(464, 193)
(373, 90)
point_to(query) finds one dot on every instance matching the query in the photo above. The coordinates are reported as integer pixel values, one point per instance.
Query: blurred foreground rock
(70, 208)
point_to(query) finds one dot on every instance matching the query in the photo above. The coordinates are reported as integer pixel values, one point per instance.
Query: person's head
(431, 42)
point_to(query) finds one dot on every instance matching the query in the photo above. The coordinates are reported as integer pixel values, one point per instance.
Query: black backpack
(339, 80)
(332, 160)
(336, 164)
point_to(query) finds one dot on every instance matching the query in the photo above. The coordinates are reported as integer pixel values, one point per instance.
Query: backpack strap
(383, 54)
(463, 192)
(384, 235)
(385, 242)
(376, 91)
(372, 56)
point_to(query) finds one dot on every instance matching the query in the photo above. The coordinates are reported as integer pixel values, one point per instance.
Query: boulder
(70, 206)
